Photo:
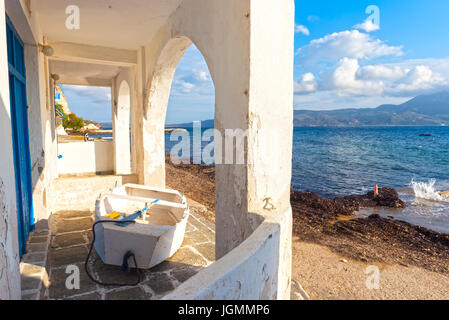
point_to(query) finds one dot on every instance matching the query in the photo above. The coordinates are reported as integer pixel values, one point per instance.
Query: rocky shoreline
(332, 223)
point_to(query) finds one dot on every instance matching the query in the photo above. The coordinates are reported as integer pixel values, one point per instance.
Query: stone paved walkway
(64, 241)
(70, 238)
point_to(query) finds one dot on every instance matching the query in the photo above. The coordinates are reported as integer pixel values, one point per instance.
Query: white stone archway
(248, 46)
(253, 92)
(121, 129)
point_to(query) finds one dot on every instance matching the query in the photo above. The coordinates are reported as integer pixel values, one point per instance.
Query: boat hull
(153, 239)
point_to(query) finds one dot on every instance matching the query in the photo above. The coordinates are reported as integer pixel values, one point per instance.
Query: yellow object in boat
(114, 215)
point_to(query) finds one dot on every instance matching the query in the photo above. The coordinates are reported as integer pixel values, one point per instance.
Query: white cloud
(192, 77)
(313, 18)
(98, 95)
(418, 80)
(185, 87)
(339, 71)
(367, 26)
(202, 75)
(90, 91)
(351, 44)
(306, 84)
(343, 78)
(299, 28)
(372, 72)
(348, 78)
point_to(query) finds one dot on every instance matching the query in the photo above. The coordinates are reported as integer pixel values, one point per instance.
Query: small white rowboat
(153, 238)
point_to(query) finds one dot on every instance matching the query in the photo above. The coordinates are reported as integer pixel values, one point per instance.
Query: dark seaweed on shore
(348, 205)
(331, 223)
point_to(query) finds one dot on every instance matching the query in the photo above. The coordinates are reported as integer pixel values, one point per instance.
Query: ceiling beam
(84, 81)
(74, 52)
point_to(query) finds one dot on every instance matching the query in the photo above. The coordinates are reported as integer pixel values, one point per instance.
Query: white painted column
(156, 68)
(249, 48)
(133, 119)
(9, 260)
(120, 127)
(148, 126)
(270, 122)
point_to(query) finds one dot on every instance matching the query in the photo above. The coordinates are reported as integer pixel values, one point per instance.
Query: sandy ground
(326, 275)
(336, 274)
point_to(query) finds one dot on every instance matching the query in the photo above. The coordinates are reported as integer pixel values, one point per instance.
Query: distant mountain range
(424, 110)
(204, 124)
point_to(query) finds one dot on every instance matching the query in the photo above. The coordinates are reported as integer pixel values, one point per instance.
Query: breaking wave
(426, 190)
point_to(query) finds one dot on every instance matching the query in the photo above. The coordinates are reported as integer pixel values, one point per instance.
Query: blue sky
(344, 57)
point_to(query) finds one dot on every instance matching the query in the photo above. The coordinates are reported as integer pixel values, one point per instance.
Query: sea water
(337, 161)
(341, 161)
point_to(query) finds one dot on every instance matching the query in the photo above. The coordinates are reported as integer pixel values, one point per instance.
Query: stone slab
(184, 274)
(34, 257)
(207, 250)
(64, 226)
(58, 288)
(160, 283)
(135, 293)
(37, 239)
(68, 240)
(37, 247)
(67, 256)
(30, 283)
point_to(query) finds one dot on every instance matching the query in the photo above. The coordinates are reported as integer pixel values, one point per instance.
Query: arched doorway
(189, 136)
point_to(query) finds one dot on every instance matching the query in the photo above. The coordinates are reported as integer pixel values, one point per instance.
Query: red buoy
(376, 190)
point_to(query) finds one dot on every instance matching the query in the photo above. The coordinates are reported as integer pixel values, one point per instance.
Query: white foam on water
(426, 190)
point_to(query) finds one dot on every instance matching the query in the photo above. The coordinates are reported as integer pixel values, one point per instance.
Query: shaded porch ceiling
(124, 24)
(110, 33)
(86, 74)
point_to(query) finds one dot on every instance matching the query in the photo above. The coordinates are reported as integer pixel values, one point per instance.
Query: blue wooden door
(20, 135)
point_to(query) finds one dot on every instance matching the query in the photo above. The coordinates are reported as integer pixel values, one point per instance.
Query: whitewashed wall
(9, 266)
(254, 40)
(86, 157)
(43, 141)
(252, 271)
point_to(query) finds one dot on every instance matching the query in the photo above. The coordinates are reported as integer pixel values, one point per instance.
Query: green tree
(73, 122)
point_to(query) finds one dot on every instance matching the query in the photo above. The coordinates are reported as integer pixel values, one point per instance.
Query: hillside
(204, 124)
(61, 100)
(424, 110)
